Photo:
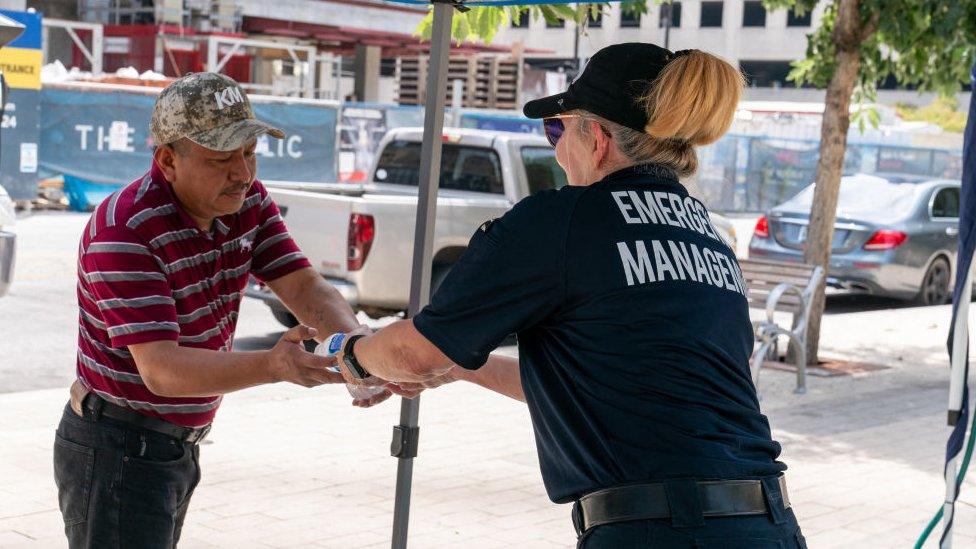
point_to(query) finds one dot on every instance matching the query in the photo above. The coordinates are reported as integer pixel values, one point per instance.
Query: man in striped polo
(162, 267)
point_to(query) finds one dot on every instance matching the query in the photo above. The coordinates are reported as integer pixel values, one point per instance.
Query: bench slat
(772, 270)
(774, 263)
(799, 282)
(785, 298)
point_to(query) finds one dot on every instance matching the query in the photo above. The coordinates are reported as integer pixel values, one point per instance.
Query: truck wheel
(286, 319)
(935, 284)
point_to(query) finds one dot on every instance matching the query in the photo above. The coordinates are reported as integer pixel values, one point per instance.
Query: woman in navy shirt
(631, 316)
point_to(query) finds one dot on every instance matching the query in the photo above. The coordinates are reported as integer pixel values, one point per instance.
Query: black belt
(720, 498)
(101, 407)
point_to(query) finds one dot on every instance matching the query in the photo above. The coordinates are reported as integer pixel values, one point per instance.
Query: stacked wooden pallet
(487, 81)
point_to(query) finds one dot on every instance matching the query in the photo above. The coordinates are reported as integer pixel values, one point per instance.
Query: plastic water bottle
(331, 347)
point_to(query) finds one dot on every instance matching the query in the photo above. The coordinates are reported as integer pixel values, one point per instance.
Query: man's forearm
(187, 372)
(320, 306)
(500, 374)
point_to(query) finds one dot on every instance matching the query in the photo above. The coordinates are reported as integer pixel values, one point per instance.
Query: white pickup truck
(360, 236)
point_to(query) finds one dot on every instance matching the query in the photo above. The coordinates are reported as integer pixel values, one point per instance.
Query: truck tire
(284, 317)
(289, 321)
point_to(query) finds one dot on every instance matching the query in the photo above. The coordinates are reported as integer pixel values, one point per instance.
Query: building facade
(763, 43)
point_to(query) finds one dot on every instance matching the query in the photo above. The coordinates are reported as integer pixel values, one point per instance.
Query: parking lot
(292, 467)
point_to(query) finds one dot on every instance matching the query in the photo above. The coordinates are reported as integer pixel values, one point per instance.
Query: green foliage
(483, 22)
(864, 115)
(923, 43)
(944, 112)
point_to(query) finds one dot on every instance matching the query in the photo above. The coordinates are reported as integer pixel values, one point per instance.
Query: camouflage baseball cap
(209, 109)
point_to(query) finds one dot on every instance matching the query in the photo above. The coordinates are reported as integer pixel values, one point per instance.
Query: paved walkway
(292, 467)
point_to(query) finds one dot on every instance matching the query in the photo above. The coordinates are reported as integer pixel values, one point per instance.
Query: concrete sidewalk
(290, 467)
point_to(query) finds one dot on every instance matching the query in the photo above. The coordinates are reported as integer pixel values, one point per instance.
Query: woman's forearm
(500, 374)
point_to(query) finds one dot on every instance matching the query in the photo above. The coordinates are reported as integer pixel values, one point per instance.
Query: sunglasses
(555, 127)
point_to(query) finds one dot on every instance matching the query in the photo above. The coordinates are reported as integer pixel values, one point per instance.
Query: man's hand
(289, 361)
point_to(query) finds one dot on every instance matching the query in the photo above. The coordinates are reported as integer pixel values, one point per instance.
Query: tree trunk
(848, 34)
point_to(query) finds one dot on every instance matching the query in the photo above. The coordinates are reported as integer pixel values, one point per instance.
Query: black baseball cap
(611, 85)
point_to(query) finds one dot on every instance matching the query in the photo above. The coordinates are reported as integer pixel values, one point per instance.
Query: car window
(946, 203)
(541, 169)
(463, 168)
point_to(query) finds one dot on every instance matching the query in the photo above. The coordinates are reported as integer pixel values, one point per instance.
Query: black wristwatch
(349, 358)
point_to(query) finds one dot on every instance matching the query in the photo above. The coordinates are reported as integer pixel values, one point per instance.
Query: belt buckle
(197, 435)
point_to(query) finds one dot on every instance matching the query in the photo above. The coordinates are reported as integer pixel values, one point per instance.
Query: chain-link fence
(752, 173)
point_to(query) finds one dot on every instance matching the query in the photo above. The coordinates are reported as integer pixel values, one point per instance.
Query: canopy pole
(405, 435)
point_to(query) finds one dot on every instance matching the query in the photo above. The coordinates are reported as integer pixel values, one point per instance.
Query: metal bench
(777, 286)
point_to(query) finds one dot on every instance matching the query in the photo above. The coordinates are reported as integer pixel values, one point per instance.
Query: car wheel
(935, 284)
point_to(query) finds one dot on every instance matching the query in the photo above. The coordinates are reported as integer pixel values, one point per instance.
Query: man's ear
(165, 157)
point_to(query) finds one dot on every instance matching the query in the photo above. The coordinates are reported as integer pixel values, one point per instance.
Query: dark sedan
(894, 236)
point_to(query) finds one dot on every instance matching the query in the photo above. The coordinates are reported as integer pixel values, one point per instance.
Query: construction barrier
(99, 134)
(20, 62)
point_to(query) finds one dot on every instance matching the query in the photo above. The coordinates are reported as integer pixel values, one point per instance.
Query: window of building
(523, 22)
(594, 21)
(794, 20)
(629, 18)
(558, 24)
(753, 14)
(711, 14)
(674, 9)
(763, 74)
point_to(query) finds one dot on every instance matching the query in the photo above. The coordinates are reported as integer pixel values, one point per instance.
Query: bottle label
(335, 343)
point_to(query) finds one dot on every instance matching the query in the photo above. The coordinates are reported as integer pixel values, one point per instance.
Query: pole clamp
(405, 441)
(954, 417)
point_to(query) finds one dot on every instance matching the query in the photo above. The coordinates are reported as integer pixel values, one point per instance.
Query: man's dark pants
(121, 485)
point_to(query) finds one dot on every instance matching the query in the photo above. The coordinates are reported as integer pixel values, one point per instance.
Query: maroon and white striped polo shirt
(146, 272)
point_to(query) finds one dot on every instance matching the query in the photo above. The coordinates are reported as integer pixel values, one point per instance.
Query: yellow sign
(21, 68)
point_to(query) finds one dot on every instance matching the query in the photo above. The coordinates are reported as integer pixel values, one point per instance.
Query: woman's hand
(409, 389)
(405, 389)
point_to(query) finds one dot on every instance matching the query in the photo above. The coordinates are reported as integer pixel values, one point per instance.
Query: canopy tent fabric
(960, 416)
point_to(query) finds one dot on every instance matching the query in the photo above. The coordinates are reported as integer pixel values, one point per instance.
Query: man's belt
(720, 498)
(83, 399)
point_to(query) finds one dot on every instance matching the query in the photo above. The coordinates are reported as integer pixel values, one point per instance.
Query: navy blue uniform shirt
(633, 332)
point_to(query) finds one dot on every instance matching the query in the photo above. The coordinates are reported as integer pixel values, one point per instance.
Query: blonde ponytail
(693, 100)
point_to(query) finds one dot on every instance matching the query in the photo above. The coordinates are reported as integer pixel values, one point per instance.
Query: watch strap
(349, 354)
